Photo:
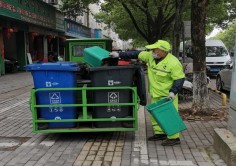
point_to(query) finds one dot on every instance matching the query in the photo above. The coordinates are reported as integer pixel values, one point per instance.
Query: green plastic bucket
(165, 114)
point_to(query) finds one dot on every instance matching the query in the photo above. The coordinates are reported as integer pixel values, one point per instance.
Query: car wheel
(219, 85)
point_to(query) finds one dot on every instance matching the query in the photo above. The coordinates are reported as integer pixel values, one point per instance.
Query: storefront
(41, 43)
(31, 27)
(76, 30)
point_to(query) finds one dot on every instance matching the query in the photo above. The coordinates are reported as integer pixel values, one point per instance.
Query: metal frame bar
(84, 105)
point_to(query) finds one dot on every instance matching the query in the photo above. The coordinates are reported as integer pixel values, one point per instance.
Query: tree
(74, 8)
(223, 12)
(178, 27)
(219, 13)
(149, 19)
(200, 90)
(113, 11)
(228, 36)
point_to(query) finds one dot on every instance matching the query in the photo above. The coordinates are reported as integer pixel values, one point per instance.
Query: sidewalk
(19, 146)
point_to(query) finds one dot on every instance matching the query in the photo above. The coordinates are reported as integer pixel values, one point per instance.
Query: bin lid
(59, 66)
(111, 68)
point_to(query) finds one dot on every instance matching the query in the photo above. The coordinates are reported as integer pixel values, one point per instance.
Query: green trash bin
(165, 114)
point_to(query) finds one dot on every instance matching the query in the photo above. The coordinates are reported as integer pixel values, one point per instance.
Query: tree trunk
(177, 27)
(87, 16)
(200, 93)
(200, 90)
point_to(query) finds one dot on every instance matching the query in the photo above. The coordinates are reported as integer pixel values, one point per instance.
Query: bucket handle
(170, 100)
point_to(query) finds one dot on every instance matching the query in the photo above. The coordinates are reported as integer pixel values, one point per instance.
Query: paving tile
(117, 148)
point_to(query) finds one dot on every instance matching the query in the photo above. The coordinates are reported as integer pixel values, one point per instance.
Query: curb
(223, 96)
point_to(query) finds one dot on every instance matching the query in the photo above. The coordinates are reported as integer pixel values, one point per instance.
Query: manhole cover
(10, 143)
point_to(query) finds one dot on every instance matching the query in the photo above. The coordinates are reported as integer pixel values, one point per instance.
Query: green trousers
(156, 128)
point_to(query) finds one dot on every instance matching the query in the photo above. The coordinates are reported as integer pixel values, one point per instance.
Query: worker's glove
(171, 95)
(114, 54)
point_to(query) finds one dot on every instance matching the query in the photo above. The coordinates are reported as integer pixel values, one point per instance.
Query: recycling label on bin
(55, 98)
(113, 97)
(51, 84)
(112, 82)
(57, 118)
(55, 109)
(113, 109)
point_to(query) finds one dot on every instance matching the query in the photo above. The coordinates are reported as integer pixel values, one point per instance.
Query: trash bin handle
(170, 99)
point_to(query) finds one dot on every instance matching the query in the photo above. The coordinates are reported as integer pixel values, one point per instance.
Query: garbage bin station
(96, 95)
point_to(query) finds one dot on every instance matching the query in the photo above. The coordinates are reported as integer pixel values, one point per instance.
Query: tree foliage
(75, 8)
(228, 36)
(146, 20)
(150, 20)
(217, 14)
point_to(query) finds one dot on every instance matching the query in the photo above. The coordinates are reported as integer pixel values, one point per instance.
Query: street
(19, 146)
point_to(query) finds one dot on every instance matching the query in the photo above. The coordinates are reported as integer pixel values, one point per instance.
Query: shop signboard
(77, 30)
(42, 31)
(60, 23)
(31, 11)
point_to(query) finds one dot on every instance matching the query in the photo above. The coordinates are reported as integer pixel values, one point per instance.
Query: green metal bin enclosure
(75, 47)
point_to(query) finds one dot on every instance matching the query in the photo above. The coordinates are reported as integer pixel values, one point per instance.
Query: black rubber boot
(170, 142)
(157, 137)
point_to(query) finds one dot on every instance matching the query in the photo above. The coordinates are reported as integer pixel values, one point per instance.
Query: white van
(217, 56)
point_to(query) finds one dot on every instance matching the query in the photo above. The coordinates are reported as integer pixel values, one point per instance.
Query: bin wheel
(128, 124)
(42, 126)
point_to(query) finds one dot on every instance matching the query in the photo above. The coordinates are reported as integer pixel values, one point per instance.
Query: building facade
(31, 27)
(37, 28)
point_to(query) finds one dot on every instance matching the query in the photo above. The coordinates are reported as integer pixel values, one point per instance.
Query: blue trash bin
(55, 75)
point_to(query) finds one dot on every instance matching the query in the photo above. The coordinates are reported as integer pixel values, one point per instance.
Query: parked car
(11, 65)
(223, 78)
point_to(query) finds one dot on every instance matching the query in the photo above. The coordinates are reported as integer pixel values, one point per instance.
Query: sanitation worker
(166, 78)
